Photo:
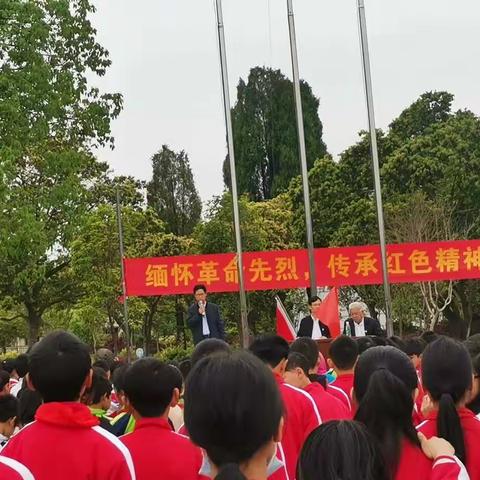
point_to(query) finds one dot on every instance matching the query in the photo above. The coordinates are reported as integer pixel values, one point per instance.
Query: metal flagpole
(302, 148)
(367, 76)
(124, 286)
(233, 175)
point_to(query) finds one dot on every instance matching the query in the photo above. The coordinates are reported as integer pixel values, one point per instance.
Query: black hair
(209, 346)
(379, 341)
(200, 286)
(185, 366)
(8, 408)
(472, 344)
(4, 379)
(297, 360)
(364, 343)
(307, 347)
(101, 364)
(59, 365)
(344, 352)
(21, 365)
(233, 407)
(341, 449)
(474, 404)
(118, 378)
(100, 371)
(396, 342)
(313, 298)
(100, 387)
(447, 376)
(414, 346)
(8, 365)
(429, 337)
(384, 384)
(271, 349)
(149, 386)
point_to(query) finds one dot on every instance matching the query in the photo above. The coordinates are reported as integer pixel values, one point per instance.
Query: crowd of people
(375, 409)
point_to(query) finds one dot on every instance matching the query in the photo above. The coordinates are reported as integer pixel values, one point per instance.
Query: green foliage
(172, 192)
(171, 351)
(265, 135)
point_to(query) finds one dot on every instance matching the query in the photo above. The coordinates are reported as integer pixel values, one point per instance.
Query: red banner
(407, 262)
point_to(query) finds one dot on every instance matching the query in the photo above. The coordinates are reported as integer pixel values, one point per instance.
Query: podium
(324, 346)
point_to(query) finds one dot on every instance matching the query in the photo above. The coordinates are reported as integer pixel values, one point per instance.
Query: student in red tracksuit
(343, 357)
(447, 379)
(384, 389)
(233, 410)
(65, 440)
(301, 413)
(151, 388)
(12, 470)
(296, 374)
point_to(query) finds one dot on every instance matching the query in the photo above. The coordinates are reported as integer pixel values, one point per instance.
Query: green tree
(50, 118)
(265, 133)
(172, 192)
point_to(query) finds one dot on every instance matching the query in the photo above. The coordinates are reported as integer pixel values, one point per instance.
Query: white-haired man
(360, 325)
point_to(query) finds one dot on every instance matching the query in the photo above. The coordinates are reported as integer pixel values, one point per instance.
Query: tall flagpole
(233, 175)
(124, 285)
(302, 148)
(367, 76)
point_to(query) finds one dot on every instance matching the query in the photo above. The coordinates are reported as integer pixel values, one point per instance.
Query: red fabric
(159, 452)
(300, 419)
(471, 434)
(284, 327)
(445, 468)
(12, 470)
(330, 408)
(345, 382)
(65, 442)
(341, 395)
(328, 312)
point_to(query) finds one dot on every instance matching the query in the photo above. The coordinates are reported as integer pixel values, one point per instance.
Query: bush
(174, 353)
(9, 356)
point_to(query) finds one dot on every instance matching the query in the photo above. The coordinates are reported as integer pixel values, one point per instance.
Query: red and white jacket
(329, 407)
(65, 441)
(414, 465)
(341, 395)
(10, 469)
(301, 417)
(158, 452)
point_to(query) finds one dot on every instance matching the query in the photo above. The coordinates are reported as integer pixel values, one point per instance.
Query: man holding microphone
(204, 317)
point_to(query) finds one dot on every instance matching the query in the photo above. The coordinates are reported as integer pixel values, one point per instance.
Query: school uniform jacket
(340, 395)
(471, 434)
(301, 417)
(329, 407)
(10, 469)
(158, 452)
(66, 442)
(414, 465)
(345, 382)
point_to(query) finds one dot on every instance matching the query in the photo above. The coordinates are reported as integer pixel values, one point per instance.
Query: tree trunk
(34, 321)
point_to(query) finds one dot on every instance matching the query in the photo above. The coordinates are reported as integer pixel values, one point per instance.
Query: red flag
(328, 312)
(284, 326)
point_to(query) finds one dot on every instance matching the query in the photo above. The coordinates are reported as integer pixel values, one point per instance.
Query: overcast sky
(165, 63)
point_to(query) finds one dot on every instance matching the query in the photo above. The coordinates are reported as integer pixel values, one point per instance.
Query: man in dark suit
(204, 317)
(360, 325)
(312, 326)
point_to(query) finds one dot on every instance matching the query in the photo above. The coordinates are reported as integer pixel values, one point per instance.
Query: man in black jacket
(204, 317)
(360, 325)
(312, 326)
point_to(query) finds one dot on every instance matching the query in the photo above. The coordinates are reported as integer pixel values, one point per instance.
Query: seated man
(359, 325)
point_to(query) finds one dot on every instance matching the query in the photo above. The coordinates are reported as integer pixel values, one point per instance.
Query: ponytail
(386, 410)
(449, 426)
(230, 471)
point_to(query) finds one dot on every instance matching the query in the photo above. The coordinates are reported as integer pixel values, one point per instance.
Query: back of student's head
(185, 366)
(4, 381)
(149, 386)
(8, 408)
(364, 343)
(100, 387)
(102, 364)
(341, 450)
(59, 365)
(297, 360)
(209, 346)
(270, 349)
(379, 341)
(447, 377)
(118, 378)
(8, 365)
(414, 346)
(396, 342)
(308, 348)
(233, 408)
(429, 337)
(344, 352)
(21, 365)
(384, 385)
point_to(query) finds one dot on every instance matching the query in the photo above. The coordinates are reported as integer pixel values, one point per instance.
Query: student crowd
(377, 409)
